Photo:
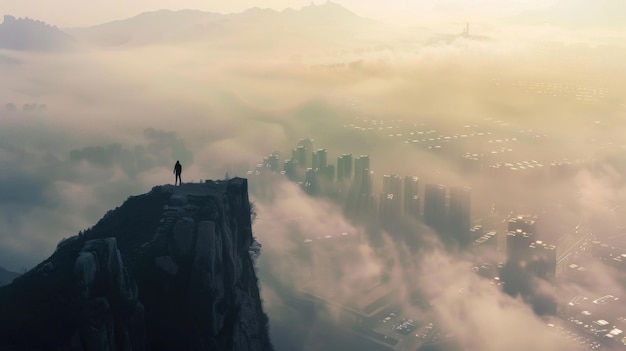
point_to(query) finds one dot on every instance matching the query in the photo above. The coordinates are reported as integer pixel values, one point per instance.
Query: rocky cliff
(168, 270)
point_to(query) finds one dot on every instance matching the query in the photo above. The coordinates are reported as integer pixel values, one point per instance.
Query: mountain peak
(327, 7)
(259, 10)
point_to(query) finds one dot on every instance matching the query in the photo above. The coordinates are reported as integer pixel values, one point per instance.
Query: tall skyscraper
(271, 162)
(518, 245)
(290, 168)
(411, 197)
(390, 210)
(459, 215)
(391, 200)
(299, 155)
(364, 203)
(392, 184)
(319, 160)
(306, 143)
(435, 207)
(311, 182)
(344, 167)
(361, 164)
(366, 186)
(329, 173)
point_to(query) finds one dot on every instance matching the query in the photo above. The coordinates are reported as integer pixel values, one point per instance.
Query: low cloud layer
(470, 309)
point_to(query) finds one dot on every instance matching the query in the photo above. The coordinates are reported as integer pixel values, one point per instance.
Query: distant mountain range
(31, 35)
(6, 277)
(253, 26)
(328, 23)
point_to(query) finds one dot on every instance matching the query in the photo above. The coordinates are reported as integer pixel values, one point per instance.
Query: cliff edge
(167, 270)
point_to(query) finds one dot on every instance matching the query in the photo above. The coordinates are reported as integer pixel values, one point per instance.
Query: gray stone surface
(207, 269)
(167, 264)
(102, 279)
(85, 269)
(183, 236)
(178, 200)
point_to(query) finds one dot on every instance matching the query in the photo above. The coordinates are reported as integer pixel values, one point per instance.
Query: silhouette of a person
(178, 169)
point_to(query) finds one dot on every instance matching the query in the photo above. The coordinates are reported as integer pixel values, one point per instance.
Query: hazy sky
(98, 11)
(118, 117)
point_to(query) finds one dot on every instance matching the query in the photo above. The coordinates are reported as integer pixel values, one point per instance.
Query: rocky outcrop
(168, 270)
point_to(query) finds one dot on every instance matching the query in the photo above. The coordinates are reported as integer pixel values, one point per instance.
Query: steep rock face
(111, 317)
(168, 270)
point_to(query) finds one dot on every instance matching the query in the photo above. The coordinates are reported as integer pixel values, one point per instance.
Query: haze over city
(483, 204)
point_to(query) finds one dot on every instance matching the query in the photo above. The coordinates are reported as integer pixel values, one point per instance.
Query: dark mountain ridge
(168, 270)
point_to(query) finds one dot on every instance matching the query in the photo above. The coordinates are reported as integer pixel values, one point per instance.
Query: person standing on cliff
(178, 169)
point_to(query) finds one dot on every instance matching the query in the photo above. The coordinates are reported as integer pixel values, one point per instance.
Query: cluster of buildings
(445, 209)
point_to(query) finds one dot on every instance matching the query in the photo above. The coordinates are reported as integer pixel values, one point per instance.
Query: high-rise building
(365, 202)
(361, 164)
(306, 143)
(290, 169)
(329, 173)
(299, 155)
(518, 245)
(435, 207)
(391, 200)
(411, 197)
(311, 182)
(319, 160)
(392, 184)
(390, 210)
(344, 167)
(306, 146)
(271, 162)
(459, 215)
(365, 187)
